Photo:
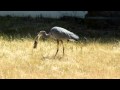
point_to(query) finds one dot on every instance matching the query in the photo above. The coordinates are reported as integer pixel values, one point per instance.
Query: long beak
(36, 41)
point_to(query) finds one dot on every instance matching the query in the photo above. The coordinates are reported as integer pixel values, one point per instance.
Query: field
(96, 60)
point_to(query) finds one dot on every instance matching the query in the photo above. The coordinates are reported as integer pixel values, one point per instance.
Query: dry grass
(92, 60)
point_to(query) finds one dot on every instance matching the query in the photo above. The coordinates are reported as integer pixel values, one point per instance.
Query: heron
(57, 33)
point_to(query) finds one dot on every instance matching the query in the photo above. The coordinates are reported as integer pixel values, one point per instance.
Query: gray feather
(61, 33)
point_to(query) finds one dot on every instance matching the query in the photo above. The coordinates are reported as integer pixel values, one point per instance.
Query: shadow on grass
(52, 57)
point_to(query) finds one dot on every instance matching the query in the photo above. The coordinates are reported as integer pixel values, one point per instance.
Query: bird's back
(62, 33)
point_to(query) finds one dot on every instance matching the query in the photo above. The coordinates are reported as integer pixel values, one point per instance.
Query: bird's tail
(74, 37)
(36, 41)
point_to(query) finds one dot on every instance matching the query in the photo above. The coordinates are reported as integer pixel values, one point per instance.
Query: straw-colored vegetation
(93, 60)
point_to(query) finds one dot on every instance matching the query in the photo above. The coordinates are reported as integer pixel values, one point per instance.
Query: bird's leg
(57, 47)
(63, 47)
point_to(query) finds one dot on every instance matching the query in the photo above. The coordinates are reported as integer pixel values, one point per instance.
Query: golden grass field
(93, 60)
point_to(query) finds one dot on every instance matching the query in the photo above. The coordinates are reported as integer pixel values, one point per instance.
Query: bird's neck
(47, 35)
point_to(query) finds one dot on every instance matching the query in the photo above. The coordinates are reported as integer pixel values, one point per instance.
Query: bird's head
(42, 33)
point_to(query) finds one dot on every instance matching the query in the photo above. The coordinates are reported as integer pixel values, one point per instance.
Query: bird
(57, 33)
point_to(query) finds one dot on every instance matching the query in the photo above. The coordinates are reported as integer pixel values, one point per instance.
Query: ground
(93, 59)
(96, 58)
